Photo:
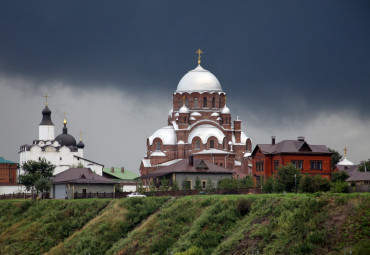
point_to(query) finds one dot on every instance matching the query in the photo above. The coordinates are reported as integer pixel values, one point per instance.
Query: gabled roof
(80, 175)
(183, 166)
(126, 175)
(291, 146)
(4, 161)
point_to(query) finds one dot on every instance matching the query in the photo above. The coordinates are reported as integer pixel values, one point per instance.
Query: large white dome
(199, 80)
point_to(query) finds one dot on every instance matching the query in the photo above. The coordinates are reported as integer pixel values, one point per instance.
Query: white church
(62, 151)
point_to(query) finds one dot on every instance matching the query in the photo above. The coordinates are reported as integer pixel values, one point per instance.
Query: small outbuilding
(80, 180)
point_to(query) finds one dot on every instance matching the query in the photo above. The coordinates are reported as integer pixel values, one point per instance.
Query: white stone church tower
(62, 151)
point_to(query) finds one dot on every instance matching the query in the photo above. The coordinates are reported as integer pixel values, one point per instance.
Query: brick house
(188, 170)
(199, 124)
(310, 159)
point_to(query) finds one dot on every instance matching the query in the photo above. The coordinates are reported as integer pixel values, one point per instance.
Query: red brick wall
(8, 173)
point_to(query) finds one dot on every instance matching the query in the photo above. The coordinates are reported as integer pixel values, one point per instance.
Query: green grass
(319, 223)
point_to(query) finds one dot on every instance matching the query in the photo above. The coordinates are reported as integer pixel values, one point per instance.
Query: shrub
(244, 206)
(285, 179)
(192, 251)
(339, 187)
(339, 176)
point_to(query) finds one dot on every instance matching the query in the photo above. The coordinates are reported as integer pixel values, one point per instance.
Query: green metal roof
(4, 161)
(127, 175)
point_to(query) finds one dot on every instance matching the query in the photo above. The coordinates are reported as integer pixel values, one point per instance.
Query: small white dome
(345, 162)
(225, 110)
(204, 132)
(184, 109)
(195, 114)
(215, 114)
(199, 80)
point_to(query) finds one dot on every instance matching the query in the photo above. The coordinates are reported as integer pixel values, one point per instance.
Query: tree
(37, 174)
(175, 185)
(309, 184)
(363, 166)
(246, 182)
(335, 158)
(164, 184)
(339, 176)
(140, 187)
(198, 185)
(210, 186)
(287, 178)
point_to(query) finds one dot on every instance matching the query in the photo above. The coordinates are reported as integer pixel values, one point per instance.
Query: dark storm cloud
(277, 57)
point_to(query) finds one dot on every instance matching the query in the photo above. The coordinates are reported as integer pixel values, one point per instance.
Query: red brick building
(199, 124)
(310, 159)
(8, 172)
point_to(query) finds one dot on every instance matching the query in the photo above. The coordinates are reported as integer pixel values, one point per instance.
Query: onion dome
(80, 145)
(225, 110)
(184, 109)
(345, 162)
(199, 80)
(66, 139)
(46, 117)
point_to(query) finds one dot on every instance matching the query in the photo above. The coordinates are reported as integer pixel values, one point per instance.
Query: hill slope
(271, 224)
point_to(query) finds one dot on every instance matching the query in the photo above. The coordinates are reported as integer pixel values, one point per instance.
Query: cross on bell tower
(46, 98)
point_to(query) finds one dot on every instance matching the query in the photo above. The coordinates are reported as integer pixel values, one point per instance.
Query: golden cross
(345, 152)
(81, 135)
(199, 51)
(46, 98)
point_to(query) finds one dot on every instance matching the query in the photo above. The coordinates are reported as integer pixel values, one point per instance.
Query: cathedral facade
(62, 151)
(199, 124)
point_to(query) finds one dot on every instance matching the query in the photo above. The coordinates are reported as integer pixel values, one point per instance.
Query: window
(211, 144)
(158, 145)
(213, 102)
(298, 164)
(61, 158)
(196, 102)
(187, 102)
(276, 164)
(197, 144)
(204, 102)
(219, 103)
(259, 166)
(204, 183)
(180, 102)
(221, 164)
(316, 165)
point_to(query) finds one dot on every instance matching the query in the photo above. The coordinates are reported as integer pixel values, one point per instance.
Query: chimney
(122, 169)
(191, 160)
(272, 139)
(301, 138)
(112, 169)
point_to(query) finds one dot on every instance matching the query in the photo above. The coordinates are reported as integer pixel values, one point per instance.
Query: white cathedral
(62, 151)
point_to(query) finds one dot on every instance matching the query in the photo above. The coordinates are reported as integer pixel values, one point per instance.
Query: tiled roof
(4, 161)
(126, 175)
(183, 166)
(359, 176)
(292, 146)
(80, 175)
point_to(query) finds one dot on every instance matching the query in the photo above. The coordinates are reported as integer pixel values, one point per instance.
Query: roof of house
(4, 161)
(292, 146)
(359, 176)
(183, 166)
(80, 175)
(126, 175)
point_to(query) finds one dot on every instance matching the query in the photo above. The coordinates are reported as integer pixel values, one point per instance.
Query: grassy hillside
(272, 224)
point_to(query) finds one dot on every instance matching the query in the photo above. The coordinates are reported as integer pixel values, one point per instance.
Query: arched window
(204, 102)
(187, 102)
(219, 103)
(248, 145)
(197, 144)
(211, 144)
(213, 102)
(180, 102)
(196, 102)
(158, 145)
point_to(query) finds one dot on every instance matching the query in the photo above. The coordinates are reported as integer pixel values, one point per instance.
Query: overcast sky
(290, 68)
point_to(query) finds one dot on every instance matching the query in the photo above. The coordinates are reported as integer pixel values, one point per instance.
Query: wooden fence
(173, 193)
